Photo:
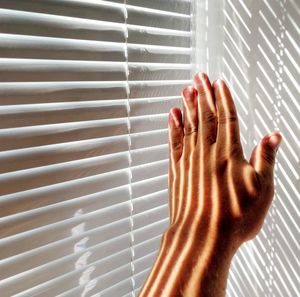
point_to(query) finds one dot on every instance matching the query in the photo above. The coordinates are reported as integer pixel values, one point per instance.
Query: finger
(207, 113)
(263, 156)
(190, 116)
(175, 134)
(228, 133)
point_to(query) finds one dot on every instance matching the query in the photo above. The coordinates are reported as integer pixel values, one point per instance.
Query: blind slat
(33, 220)
(157, 18)
(59, 254)
(14, 70)
(151, 216)
(40, 47)
(154, 71)
(31, 157)
(158, 54)
(87, 9)
(45, 114)
(180, 6)
(16, 138)
(27, 179)
(38, 277)
(150, 201)
(39, 24)
(64, 191)
(41, 237)
(148, 171)
(145, 187)
(149, 155)
(148, 35)
(46, 92)
(150, 231)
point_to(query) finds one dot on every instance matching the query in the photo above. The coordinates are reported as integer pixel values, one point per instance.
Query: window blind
(85, 89)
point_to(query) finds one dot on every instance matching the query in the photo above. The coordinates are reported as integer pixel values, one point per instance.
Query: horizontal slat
(98, 10)
(15, 160)
(17, 138)
(39, 24)
(150, 231)
(71, 227)
(150, 216)
(150, 201)
(47, 92)
(157, 18)
(61, 210)
(145, 139)
(33, 272)
(44, 114)
(150, 170)
(119, 289)
(141, 277)
(32, 220)
(154, 105)
(48, 195)
(74, 227)
(27, 179)
(148, 122)
(148, 155)
(158, 36)
(157, 54)
(38, 47)
(98, 283)
(181, 6)
(29, 70)
(145, 262)
(152, 185)
(157, 71)
(139, 89)
(70, 253)
(147, 247)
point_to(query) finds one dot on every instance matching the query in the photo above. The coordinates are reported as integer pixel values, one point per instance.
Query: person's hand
(211, 184)
(217, 199)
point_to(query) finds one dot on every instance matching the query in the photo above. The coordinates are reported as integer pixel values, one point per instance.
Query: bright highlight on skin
(217, 199)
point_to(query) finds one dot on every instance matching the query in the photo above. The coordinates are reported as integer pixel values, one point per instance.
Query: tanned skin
(217, 198)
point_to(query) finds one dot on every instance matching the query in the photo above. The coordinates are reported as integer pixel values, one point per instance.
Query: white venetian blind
(85, 88)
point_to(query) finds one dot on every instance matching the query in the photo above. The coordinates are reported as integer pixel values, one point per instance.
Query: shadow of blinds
(85, 88)
(253, 46)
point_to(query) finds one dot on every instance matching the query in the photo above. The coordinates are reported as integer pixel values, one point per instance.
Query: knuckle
(189, 130)
(210, 138)
(228, 118)
(176, 145)
(208, 117)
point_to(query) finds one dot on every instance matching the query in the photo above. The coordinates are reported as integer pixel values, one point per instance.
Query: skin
(217, 199)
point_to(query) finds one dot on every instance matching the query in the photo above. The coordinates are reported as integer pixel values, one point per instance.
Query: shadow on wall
(254, 47)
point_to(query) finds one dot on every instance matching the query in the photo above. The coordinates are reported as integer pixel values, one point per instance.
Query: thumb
(263, 156)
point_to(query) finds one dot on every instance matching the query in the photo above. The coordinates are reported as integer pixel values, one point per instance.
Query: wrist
(205, 265)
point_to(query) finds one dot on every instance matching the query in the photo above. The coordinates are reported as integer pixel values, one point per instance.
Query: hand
(209, 178)
(217, 199)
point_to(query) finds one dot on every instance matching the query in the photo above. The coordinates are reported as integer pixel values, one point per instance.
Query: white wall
(253, 45)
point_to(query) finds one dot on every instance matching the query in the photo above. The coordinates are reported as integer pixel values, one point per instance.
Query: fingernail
(218, 82)
(202, 75)
(188, 92)
(274, 141)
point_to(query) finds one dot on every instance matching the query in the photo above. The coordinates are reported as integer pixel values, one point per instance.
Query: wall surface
(253, 45)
